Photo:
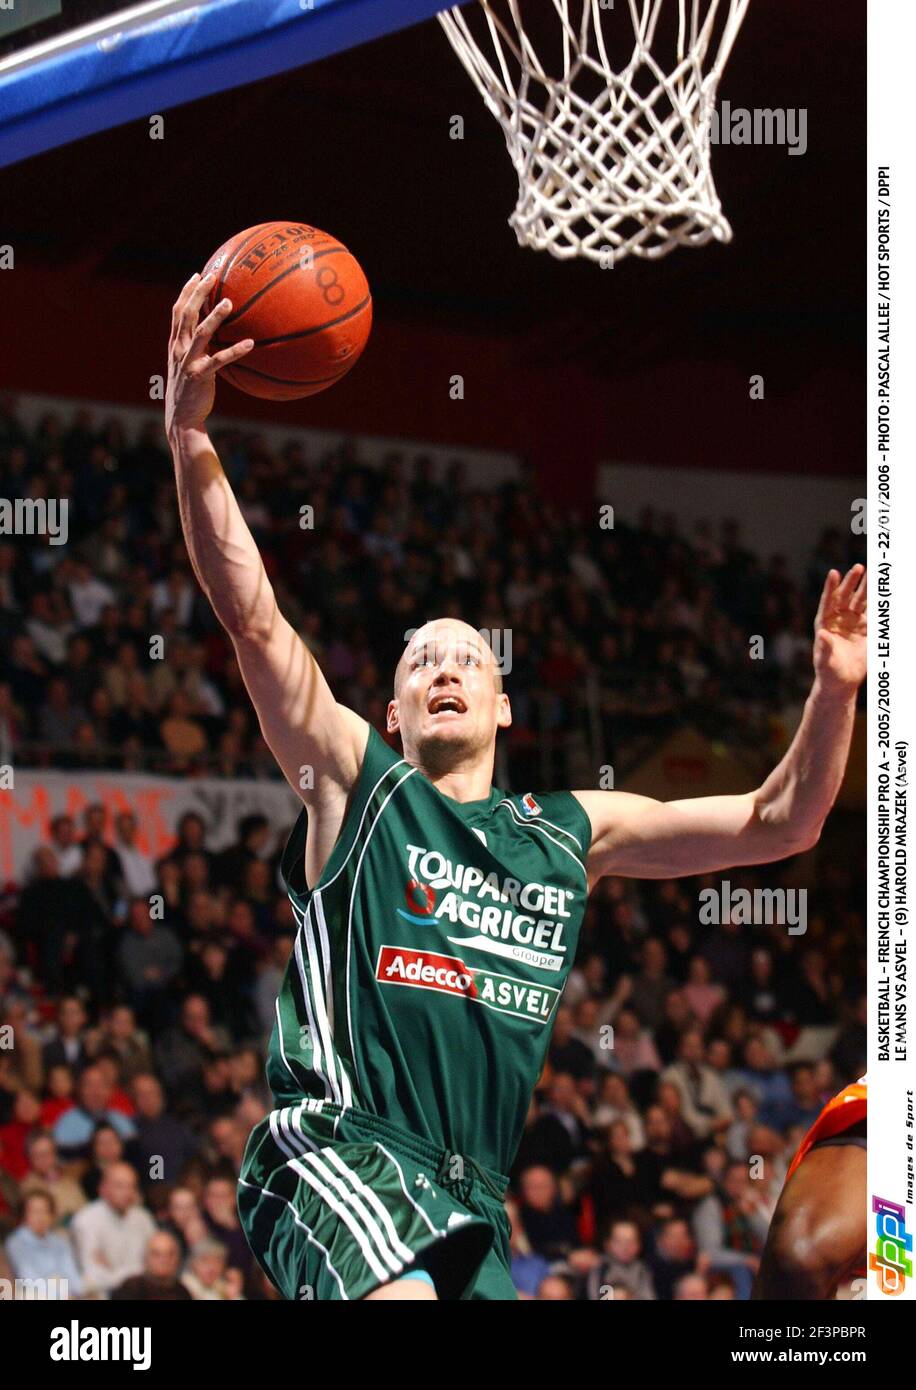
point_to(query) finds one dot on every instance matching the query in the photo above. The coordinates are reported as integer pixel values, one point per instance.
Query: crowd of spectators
(111, 656)
(686, 1061)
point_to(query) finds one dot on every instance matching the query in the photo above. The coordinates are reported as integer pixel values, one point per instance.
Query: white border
(891, 42)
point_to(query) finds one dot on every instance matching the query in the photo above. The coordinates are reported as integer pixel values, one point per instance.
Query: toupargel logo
(889, 1261)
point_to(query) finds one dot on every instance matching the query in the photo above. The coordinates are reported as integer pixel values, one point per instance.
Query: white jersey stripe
(320, 1005)
(379, 782)
(314, 1036)
(359, 864)
(374, 1201)
(328, 998)
(338, 1208)
(318, 1162)
(535, 826)
(280, 1041)
(412, 1200)
(266, 1192)
(290, 1118)
(541, 820)
(277, 1136)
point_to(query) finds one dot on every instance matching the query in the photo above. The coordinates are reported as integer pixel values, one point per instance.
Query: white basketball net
(609, 163)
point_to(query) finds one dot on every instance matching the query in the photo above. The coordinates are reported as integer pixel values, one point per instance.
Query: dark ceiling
(359, 145)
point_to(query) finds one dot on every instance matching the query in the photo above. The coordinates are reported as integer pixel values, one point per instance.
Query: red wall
(103, 338)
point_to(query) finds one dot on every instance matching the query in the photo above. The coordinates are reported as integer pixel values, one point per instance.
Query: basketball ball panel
(323, 350)
(297, 299)
(302, 297)
(267, 387)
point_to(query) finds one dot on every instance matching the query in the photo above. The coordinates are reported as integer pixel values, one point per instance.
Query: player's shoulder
(557, 811)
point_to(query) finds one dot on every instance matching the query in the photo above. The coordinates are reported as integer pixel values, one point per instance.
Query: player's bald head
(451, 633)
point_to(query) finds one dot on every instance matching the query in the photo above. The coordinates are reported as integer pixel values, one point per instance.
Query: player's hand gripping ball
(303, 299)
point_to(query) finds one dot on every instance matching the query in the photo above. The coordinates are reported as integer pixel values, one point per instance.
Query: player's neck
(472, 781)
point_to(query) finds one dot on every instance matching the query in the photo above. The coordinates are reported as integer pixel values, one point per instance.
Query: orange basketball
(303, 299)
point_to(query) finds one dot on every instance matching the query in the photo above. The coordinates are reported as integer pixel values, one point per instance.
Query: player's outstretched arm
(301, 721)
(637, 837)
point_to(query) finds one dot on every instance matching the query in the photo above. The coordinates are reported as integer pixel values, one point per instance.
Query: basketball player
(437, 915)
(817, 1238)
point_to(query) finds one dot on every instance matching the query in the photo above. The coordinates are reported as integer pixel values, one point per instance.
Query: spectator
(615, 1187)
(136, 867)
(633, 1051)
(559, 1135)
(40, 1254)
(46, 1174)
(801, 1108)
(545, 1218)
(253, 837)
(15, 1135)
(528, 1269)
(730, 1226)
(555, 1288)
(67, 852)
(111, 1233)
(159, 1282)
(122, 1038)
(672, 1258)
(184, 1218)
(704, 1103)
(691, 1288)
(615, 1103)
(221, 1218)
(183, 1050)
(207, 1277)
(74, 1130)
(59, 1094)
(107, 1150)
(68, 1048)
(567, 1053)
(652, 984)
(623, 1267)
(149, 960)
(164, 1145)
(702, 995)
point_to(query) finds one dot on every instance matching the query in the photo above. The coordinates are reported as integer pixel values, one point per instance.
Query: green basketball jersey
(430, 957)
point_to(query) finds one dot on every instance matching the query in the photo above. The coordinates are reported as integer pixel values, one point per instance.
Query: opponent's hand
(840, 629)
(191, 385)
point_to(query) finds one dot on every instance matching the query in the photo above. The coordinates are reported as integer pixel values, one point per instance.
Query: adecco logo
(424, 969)
(449, 975)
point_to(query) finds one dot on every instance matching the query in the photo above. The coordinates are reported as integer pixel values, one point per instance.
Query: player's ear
(391, 719)
(503, 713)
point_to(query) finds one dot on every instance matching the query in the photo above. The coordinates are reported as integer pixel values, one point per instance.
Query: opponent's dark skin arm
(817, 1238)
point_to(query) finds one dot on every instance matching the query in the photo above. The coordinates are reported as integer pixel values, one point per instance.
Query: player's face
(447, 706)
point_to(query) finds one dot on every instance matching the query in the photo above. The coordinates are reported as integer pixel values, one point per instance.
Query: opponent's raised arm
(638, 837)
(301, 721)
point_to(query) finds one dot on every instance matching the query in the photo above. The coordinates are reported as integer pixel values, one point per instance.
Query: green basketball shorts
(335, 1203)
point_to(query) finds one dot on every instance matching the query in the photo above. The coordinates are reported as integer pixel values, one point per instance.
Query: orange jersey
(842, 1112)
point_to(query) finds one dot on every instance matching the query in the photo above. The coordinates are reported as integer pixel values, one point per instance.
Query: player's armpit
(638, 837)
(318, 743)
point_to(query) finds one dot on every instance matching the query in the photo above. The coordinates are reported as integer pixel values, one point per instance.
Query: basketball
(302, 297)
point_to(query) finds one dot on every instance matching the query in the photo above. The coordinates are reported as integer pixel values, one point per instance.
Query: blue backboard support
(143, 61)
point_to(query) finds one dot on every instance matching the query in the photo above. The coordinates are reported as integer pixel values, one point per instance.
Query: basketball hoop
(611, 162)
